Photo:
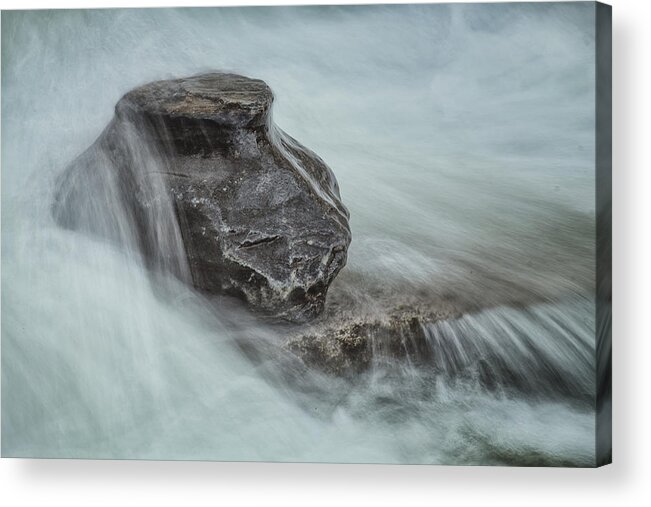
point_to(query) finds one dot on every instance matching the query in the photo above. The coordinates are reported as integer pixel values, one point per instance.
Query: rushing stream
(462, 139)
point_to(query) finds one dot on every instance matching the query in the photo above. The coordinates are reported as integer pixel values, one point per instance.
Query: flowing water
(462, 138)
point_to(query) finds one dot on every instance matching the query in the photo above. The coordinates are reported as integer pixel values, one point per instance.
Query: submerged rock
(358, 331)
(259, 215)
(351, 346)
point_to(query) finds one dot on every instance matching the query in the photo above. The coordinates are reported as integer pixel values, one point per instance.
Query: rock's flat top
(207, 96)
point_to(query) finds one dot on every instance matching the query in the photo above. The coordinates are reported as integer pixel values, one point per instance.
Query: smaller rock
(351, 345)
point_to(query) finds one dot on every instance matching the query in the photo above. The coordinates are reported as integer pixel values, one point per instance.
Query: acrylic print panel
(409, 262)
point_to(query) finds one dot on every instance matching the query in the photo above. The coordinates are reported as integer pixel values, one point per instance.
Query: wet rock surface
(352, 335)
(260, 216)
(349, 347)
(440, 337)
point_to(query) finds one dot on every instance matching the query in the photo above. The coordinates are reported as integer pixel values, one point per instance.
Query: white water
(462, 139)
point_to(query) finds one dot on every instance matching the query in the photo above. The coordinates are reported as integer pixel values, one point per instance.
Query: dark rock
(260, 215)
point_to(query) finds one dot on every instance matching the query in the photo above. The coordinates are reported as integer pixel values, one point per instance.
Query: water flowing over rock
(259, 216)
